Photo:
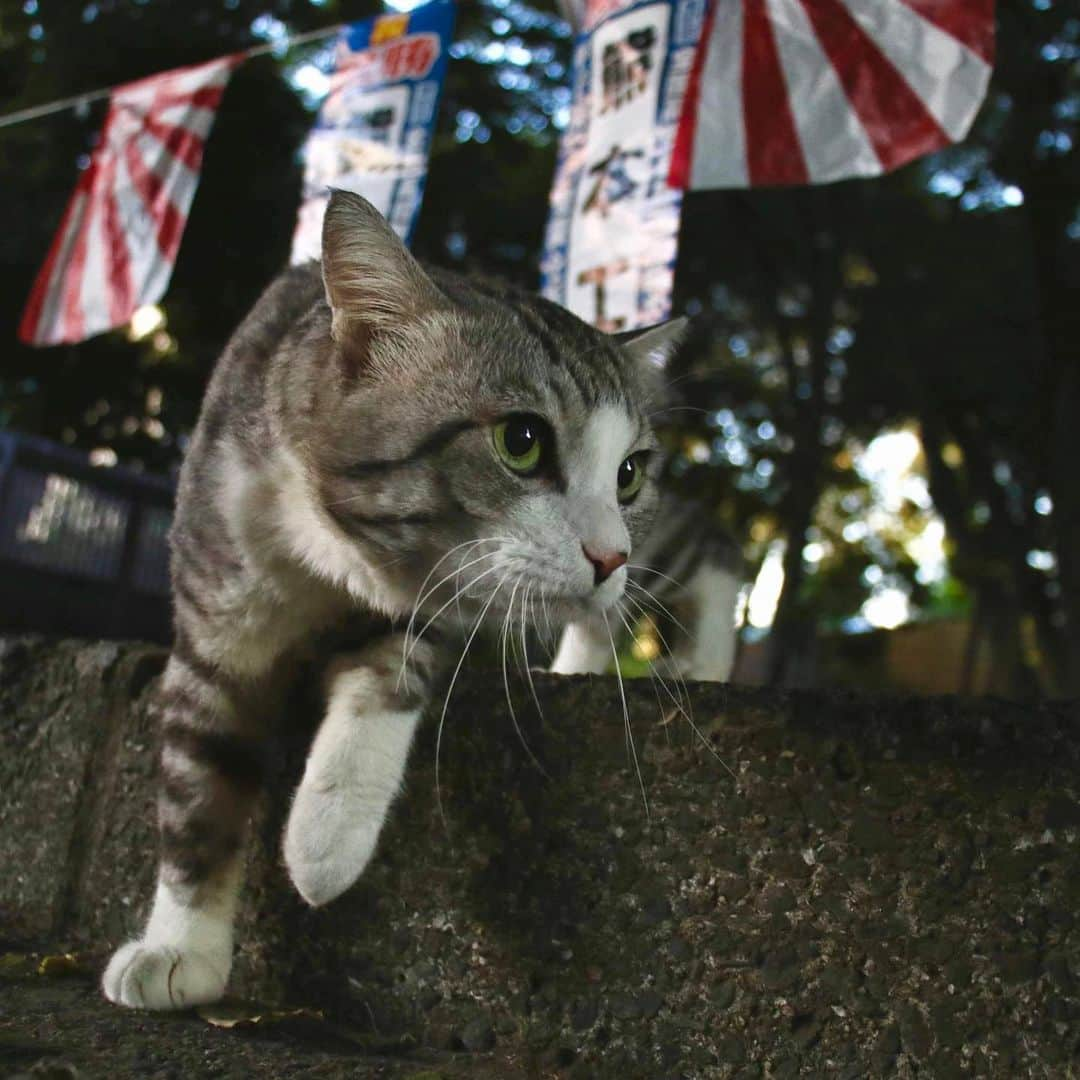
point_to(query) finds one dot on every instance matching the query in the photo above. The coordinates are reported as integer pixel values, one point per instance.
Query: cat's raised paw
(327, 844)
(143, 976)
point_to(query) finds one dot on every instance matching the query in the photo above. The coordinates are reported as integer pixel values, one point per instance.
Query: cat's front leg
(584, 649)
(356, 764)
(211, 770)
(707, 650)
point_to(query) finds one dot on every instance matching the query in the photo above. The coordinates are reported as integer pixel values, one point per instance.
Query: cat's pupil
(627, 472)
(519, 437)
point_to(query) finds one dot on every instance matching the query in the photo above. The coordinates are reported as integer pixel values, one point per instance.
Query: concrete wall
(883, 883)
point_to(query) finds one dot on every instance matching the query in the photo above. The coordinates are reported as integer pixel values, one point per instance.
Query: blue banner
(374, 129)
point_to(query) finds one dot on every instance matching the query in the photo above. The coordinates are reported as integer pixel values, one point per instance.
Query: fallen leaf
(61, 964)
(230, 1015)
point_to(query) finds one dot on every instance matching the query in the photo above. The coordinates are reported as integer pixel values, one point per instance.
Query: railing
(83, 550)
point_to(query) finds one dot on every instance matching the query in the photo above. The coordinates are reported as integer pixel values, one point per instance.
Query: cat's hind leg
(356, 764)
(211, 770)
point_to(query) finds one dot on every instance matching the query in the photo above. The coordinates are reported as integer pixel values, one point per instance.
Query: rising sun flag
(117, 242)
(812, 91)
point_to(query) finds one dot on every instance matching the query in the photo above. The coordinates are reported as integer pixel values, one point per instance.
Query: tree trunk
(792, 626)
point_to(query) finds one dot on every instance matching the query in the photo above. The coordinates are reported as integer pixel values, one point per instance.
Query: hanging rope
(77, 100)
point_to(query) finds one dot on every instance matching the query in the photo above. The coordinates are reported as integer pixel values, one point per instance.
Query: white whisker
(626, 717)
(663, 607)
(653, 673)
(506, 681)
(676, 408)
(525, 655)
(457, 594)
(681, 685)
(421, 597)
(676, 675)
(652, 570)
(547, 621)
(450, 691)
(654, 677)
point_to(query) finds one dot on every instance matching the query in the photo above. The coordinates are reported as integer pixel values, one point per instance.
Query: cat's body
(376, 443)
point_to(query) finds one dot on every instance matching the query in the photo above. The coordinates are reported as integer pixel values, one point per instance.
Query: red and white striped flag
(119, 236)
(811, 91)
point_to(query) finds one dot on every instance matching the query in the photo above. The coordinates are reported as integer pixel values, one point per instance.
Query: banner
(374, 128)
(120, 233)
(812, 91)
(609, 253)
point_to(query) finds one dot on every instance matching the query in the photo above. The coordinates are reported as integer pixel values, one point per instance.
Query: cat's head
(480, 437)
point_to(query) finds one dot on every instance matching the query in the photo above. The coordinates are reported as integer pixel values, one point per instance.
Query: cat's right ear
(372, 282)
(654, 346)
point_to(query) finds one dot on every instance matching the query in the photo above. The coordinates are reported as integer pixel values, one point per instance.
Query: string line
(35, 111)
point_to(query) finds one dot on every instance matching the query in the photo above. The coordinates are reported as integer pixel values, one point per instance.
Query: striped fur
(343, 469)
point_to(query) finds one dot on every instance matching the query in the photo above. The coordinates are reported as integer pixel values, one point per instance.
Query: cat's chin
(552, 610)
(570, 609)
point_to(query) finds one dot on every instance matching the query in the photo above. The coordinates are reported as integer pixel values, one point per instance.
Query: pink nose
(605, 563)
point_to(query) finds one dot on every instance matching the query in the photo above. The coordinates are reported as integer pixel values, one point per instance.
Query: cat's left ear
(372, 282)
(654, 346)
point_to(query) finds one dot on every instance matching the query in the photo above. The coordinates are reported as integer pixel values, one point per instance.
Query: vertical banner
(374, 128)
(609, 253)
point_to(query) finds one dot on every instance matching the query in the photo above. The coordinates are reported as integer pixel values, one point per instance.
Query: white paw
(329, 839)
(163, 977)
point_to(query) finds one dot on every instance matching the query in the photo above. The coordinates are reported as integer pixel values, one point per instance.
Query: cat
(376, 438)
(686, 574)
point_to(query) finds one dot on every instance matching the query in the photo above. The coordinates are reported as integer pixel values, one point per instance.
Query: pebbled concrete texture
(62, 706)
(879, 886)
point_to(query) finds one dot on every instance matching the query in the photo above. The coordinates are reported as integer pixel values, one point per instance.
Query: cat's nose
(605, 563)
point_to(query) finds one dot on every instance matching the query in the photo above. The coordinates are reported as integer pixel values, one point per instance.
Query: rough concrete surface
(883, 887)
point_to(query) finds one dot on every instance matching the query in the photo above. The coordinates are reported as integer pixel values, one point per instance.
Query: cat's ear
(372, 282)
(654, 346)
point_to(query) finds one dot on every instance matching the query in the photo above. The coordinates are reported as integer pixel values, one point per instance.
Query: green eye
(519, 442)
(630, 477)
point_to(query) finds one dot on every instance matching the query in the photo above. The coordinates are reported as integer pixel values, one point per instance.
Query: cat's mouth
(491, 587)
(539, 603)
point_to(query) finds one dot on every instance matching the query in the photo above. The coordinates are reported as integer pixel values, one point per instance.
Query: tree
(911, 298)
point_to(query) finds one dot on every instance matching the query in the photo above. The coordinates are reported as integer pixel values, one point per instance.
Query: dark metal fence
(83, 550)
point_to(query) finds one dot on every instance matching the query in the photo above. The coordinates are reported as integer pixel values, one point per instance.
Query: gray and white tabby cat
(375, 439)
(686, 574)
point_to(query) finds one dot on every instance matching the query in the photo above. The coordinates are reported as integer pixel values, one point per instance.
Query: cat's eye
(630, 477)
(519, 442)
